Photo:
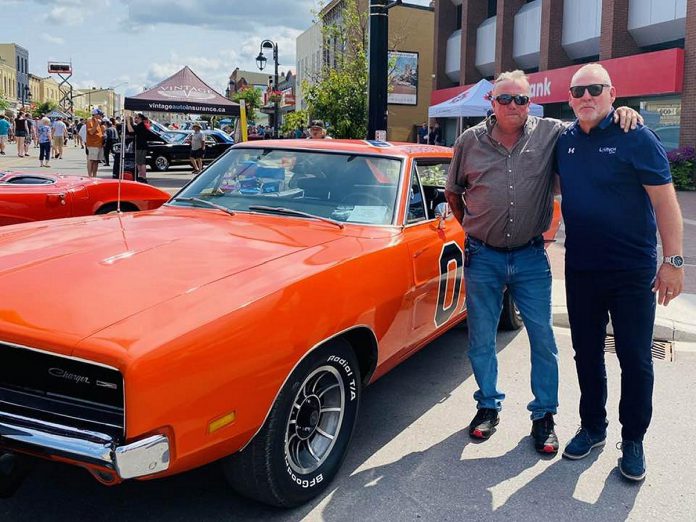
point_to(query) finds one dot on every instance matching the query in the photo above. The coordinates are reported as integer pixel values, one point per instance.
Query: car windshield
(343, 187)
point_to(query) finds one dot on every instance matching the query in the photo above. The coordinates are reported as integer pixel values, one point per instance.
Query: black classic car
(174, 147)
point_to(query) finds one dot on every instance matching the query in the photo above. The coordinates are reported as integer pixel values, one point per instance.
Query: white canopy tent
(472, 103)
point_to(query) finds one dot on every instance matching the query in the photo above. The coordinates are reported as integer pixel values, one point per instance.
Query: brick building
(648, 47)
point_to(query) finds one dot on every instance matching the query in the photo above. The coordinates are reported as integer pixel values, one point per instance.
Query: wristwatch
(675, 261)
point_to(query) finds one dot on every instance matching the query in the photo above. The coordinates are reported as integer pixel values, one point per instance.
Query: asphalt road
(411, 458)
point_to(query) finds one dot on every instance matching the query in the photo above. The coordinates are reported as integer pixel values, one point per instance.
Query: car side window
(433, 176)
(416, 207)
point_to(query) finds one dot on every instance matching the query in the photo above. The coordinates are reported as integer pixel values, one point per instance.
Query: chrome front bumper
(143, 457)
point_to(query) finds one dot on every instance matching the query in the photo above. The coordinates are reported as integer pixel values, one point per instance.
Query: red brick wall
(474, 12)
(614, 40)
(445, 25)
(551, 53)
(504, 32)
(688, 109)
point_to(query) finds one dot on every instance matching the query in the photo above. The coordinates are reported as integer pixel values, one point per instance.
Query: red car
(33, 197)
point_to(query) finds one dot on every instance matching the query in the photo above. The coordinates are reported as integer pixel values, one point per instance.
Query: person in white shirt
(59, 133)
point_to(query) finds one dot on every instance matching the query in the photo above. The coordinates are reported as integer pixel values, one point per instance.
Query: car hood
(68, 279)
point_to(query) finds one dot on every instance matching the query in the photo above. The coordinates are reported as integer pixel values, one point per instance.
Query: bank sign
(646, 74)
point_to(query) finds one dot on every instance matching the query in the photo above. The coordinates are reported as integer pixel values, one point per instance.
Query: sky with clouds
(134, 44)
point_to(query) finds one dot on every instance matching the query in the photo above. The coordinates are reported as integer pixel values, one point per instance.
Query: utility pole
(377, 71)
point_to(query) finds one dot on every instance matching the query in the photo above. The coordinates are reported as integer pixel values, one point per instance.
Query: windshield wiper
(206, 203)
(292, 212)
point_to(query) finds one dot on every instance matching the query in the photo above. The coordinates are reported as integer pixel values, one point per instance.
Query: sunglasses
(595, 89)
(506, 99)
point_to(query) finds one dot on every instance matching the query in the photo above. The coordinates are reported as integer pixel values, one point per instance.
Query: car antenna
(121, 164)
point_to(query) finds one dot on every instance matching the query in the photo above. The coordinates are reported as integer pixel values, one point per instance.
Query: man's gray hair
(515, 76)
(594, 68)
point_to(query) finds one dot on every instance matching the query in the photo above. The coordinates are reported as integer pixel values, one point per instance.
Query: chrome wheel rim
(162, 163)
(315, 420)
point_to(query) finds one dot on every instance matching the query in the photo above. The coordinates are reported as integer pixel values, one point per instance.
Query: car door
(436, 250)
(212, 147)
(25, 198)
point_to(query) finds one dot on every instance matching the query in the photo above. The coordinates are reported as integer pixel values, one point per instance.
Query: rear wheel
(510, 317)
(304, 440)
(160, 163)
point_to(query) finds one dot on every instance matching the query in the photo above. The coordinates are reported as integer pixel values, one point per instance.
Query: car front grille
(61, 390)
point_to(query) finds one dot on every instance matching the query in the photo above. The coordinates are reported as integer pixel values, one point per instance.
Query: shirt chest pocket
(534, 162)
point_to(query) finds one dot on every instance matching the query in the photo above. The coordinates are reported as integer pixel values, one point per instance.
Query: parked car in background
(34, 197)
(177, 150)
(669, 136)
(303, 271)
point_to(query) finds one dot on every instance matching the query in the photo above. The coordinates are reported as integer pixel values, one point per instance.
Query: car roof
(385, 148)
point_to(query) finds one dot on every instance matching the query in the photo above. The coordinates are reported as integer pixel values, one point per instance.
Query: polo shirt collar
(607, 121)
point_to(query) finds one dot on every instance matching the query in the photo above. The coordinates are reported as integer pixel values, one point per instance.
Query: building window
(492, 8)
(459, 16)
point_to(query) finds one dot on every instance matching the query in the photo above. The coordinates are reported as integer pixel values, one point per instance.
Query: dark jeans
(627, 296)
(108, 146)
(44, 151)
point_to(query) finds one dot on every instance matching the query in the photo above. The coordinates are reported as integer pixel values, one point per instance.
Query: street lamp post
(261, 63)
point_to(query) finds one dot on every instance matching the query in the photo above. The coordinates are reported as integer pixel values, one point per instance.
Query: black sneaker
(632, 463)
(483, 424)
(545, 440)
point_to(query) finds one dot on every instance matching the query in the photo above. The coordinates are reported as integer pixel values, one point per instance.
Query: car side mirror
(442, 212)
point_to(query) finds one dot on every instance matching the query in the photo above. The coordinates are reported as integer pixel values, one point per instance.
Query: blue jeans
(527, 274)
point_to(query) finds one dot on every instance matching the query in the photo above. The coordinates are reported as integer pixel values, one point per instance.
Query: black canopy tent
(184, 91)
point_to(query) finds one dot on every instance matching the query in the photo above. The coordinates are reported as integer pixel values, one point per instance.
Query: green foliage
(339, 97)
(682, 163)
(43, 108)
(433, 175)
(294, 120)
(82, 113)
(4, 104)
(252, 100)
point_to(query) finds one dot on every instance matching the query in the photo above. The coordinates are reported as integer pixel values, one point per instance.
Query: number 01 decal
(451, 274)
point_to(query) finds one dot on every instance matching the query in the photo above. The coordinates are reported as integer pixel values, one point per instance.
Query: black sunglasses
(578, 91)
(506, 99)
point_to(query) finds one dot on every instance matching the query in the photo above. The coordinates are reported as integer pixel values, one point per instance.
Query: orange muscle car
(34, 197)
(240, 321)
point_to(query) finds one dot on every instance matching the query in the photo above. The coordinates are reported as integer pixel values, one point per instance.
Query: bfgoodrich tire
(510, 317)
(305, 438)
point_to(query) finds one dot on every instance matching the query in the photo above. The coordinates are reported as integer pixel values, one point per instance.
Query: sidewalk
(676, 322)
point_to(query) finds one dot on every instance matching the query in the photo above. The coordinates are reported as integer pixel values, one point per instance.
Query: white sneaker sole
(578, 457)
(634, 478)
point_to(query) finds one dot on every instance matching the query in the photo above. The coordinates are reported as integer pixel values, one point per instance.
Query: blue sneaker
(583, 443)
(632, 464)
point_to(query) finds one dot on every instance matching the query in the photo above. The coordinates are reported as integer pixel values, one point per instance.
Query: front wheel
(510, 317)
(305, 438)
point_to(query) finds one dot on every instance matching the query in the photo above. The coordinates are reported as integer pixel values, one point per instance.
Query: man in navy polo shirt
(617, 190)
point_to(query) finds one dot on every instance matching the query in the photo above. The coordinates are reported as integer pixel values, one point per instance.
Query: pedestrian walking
(423, 133)
(110, 137)
(44, 136)
(197, 149)
(59, 136)
(21, 130)
(139, 125)
(94, 142)
(500, 188)
(317, 131)
(4, 133)
(435, 136)
(617, 192)
(78, 136)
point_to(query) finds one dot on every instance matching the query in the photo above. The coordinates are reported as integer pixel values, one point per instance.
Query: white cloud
(228, 15)
(52, 39)
(63, 15)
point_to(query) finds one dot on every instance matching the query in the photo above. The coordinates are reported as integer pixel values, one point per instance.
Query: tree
(293, 120)
(4, 104)
(43, 108)
(82, 113)
(252, 100)
(339, 97)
